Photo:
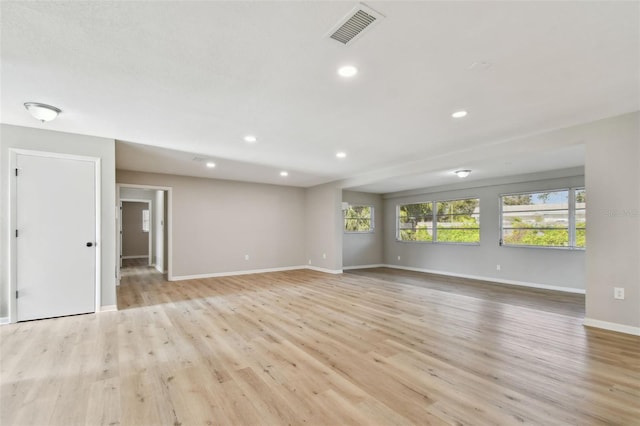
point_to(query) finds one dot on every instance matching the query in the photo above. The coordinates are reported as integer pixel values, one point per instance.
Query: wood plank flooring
(373, 347)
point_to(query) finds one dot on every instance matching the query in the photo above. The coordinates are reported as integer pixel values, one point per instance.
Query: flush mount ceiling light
(459, 114)
(211, 164)
(250, 139)
(284, 174)
(463, 173)
(341, 154)
(42, 112)
(347, 71)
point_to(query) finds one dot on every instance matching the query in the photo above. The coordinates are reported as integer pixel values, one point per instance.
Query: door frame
(167, 220)
(150, 232)
(12, 266)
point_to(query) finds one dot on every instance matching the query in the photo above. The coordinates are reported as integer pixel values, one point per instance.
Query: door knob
(89, 244)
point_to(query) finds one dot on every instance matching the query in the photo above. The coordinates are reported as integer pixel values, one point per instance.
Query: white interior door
(56, 240)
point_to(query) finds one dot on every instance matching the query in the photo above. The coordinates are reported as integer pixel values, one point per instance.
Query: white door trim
(149, 237)
(13, 153)
(168, 222)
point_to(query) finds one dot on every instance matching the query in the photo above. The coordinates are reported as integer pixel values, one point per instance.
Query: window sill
(438, 243)
(544, 247)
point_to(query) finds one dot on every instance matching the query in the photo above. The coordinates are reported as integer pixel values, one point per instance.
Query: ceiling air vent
(352, 26)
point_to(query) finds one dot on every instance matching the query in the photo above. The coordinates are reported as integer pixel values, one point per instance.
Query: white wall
(215, 223)
(67, 143)
(613, 221)
(361, 249)
(323, 227)
(538, 266)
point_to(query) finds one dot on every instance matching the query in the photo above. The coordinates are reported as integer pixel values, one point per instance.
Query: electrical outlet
(324, 255)
(498, 267)
(398, 257)
(246, 257)
(309, 261)
(618, 293)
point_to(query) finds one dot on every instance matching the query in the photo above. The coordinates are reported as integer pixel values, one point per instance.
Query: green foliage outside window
(415, 222)
(358, 219)
(456, 221)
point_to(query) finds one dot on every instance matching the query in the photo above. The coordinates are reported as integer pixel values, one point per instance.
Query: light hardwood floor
(372, 347)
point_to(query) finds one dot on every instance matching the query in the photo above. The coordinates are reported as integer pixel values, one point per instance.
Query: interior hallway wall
(221, 226)
(135, 241)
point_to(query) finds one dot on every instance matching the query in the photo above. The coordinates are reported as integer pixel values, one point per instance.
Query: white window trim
(571, 211)
(372, 224)
(434, 221)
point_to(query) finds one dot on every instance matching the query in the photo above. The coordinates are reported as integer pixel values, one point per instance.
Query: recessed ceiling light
(463, 173)
(459, 114)
(283, 173)
(480, 65)
(42, 112)
(341, 154)
(347, 71)
(211, 164)
(250, 139)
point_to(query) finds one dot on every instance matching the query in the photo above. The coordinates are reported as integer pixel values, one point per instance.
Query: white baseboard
(159, 269)
(325, 270)
(612, 326)
(254, 271)
(135, 257)
(491, 279)
(108, 308)
(4, 320)
(377, 265)
(232, 273)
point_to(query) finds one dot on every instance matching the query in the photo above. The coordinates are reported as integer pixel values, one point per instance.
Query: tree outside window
(358, 219)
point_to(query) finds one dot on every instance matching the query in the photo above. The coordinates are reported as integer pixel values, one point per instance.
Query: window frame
(571, 218)
(434, 222)
(432, 241)
(572, 193)
(372, 224)
(435, 213)
(146, 221)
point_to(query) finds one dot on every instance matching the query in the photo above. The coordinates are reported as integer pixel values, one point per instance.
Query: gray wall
(215, 223)
(361, 249)
(323, 227)
(135, 242)
(613, 219)
(67, 143)
(550, 267)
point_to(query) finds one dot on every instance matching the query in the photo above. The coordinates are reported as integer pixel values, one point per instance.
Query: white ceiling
(195, 77)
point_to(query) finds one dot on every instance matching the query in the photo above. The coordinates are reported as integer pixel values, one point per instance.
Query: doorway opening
(136, 234)
(144, 231)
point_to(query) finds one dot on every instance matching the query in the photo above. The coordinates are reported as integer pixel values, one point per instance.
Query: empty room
(319, 213)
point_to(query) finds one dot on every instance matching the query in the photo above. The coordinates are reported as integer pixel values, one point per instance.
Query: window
(358, 219)
(415, 222)
(457, 221)
(580, 217)
(145, 220)
(544, 219)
